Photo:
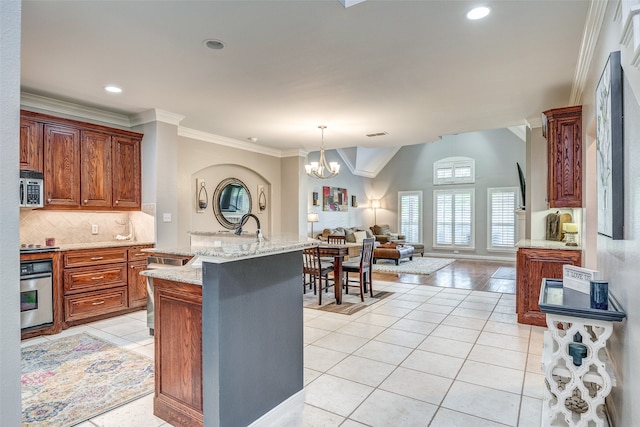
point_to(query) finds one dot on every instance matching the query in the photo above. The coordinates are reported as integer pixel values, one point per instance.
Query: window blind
(502, 220)
(410, 215)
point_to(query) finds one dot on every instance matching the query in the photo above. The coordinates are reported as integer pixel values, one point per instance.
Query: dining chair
(333, 239)
(361, 266)
(316, 269)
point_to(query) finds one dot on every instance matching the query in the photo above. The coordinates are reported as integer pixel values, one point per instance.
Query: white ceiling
(414, 69)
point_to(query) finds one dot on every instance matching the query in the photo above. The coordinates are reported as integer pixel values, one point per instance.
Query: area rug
(419, 265)
(350, 302)
(72, 379)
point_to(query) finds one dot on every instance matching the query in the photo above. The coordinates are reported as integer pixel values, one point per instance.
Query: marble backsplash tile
(69, 227)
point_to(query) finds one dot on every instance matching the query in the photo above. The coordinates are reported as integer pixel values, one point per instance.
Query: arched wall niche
(205, 219)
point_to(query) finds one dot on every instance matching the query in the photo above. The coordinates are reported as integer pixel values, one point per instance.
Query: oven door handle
(35, 276)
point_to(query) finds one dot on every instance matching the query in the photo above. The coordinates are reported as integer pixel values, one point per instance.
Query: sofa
(383, 234)
(349, 233)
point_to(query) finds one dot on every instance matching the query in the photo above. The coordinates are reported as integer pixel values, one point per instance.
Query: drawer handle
(97, 278)
(98, 302)
(117, 201)
(95, 258)
(140, 255)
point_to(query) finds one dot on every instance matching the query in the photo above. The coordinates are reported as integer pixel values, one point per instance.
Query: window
(502, 217)
(454, 170)
(410, 215)
(453, 218)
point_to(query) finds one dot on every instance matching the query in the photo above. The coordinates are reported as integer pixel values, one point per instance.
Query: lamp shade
(375, 204)
(312, 217)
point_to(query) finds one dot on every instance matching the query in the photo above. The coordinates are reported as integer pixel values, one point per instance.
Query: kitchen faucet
(242, 220)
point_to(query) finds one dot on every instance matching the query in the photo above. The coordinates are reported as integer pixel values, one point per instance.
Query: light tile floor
(425, 356)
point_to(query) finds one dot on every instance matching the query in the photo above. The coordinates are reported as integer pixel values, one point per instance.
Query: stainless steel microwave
(31, 189)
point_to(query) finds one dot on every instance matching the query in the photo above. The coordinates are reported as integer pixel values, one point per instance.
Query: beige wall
(205, 159)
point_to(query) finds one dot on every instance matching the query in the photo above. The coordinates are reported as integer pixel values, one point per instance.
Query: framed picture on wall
(609, 149)
(334, 199)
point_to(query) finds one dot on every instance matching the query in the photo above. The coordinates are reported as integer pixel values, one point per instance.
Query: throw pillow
(359, 236)
(385, 229)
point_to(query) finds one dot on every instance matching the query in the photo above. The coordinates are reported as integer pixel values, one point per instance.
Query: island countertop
(546, 244)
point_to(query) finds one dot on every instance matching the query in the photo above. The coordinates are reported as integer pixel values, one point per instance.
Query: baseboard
(289, 412)
(472, 257)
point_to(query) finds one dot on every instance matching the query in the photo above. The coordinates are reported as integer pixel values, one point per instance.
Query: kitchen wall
(69, 227)
(618, 260)
(495, 153)
(10, 406)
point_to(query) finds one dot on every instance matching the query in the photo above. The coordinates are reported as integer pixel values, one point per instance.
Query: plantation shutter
(502, 227)
(453, 218)
(410, 215)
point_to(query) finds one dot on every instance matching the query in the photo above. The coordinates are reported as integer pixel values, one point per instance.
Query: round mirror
(231, 200)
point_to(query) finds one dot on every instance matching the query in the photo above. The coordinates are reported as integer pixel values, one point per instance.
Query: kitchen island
(228, 333)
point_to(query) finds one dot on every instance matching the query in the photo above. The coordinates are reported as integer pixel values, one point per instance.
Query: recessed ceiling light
(112, 89)
(213, 44)
(253, 139)
(478, 12)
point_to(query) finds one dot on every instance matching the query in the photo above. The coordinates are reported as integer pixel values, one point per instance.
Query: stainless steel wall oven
(36, 293)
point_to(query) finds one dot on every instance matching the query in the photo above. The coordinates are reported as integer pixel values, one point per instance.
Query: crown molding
(228, 142)
(592, 26)
(156, 115)
(43, 104)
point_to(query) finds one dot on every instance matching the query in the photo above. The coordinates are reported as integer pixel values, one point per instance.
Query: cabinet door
(126, 173)
(30, 145)
(95, 179)
(564, 181)
(137, 284)
(61, 166)
(532, 266)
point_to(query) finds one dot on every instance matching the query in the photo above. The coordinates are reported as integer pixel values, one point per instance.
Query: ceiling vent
(371, 135)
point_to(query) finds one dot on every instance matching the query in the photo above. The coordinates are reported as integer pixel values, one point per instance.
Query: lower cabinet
(532, 265)
(103, 282)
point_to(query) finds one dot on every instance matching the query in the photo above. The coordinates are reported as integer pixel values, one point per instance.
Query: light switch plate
(94, 228)
(166, 217)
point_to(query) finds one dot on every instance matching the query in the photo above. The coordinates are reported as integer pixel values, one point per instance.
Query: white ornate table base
(575, 395)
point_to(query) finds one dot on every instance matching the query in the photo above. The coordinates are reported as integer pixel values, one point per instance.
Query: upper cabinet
(562, 127)
(85, 166)
(30, 145)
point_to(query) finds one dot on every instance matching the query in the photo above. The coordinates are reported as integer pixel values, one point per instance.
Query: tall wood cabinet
(85, 166)
(534, 264)
(562, 127)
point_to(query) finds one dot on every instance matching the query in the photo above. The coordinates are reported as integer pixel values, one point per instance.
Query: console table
(578, 372)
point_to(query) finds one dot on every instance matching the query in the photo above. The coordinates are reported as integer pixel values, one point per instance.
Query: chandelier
(321, 169)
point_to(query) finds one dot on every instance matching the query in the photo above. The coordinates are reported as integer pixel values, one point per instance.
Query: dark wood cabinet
(61, 166)
(137, 283)
(126, 172)
(178, 353)
(532, 265)
(30, 145)
(96, 177)
(86, 166)
(562, 127)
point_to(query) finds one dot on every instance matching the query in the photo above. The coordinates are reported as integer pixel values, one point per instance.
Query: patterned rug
(72, 379)
(419, 265)
(350, 302)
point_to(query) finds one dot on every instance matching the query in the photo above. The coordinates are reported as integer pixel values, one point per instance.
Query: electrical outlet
(94, 228)
(166, 217)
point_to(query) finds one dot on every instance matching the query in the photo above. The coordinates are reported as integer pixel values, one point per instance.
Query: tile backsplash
(70, 227)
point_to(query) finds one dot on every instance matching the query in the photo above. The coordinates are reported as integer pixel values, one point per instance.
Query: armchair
(383, 234)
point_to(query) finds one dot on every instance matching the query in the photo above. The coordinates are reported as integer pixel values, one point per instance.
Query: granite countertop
(546, 244)
(185, 274)
(108, 244)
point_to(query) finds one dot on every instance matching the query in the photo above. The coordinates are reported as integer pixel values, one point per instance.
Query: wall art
(334, 199)
(609, 145)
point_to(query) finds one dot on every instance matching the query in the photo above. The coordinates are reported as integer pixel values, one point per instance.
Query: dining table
(338, 251)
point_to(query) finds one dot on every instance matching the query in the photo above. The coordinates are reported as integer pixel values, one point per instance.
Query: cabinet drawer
(91, 304)
(94, 257)
(91, 278)
(136, 254)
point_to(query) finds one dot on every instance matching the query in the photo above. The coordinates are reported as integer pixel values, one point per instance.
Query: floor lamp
(375, 204)
(312, 217)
